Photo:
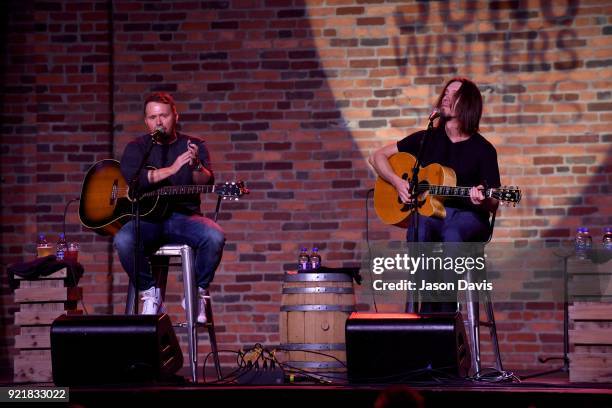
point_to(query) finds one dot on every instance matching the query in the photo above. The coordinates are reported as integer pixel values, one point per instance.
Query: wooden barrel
(314, 309)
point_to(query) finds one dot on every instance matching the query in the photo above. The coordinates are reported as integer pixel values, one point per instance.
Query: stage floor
(552, 390)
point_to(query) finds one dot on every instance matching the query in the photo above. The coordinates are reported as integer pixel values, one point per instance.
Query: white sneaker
(152, 301)
(202, 296)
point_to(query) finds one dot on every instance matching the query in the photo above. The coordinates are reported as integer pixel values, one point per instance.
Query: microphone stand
(134, 186)
(414, 182)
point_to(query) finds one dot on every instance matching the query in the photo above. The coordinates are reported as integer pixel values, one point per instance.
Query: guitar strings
(454, 191)
(175, 188)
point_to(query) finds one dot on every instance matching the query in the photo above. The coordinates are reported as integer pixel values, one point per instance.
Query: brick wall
(292, 96)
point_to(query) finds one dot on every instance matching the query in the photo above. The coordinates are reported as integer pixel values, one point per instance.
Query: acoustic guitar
(106, 204)
(436, 182)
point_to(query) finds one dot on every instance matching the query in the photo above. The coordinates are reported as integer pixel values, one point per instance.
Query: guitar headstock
(231, 190)
(507, 194)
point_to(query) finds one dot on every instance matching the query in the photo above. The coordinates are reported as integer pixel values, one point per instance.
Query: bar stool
(474, 322)
(160, 265)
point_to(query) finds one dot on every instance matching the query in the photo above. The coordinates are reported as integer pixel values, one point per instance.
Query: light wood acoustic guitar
(106, 205)
(436, 182)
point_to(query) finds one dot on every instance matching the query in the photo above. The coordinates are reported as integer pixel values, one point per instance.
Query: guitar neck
(180, 190)
(450, 191)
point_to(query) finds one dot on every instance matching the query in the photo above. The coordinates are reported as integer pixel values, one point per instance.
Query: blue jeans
(201, 233)
(459, 225)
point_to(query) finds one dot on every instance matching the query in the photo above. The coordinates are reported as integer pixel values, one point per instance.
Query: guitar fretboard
(449, 191)
(178, 190)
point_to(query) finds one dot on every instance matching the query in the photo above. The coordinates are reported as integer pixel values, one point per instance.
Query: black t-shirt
(163, 155)
(474, 160)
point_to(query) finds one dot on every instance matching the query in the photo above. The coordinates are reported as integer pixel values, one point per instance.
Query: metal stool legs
(210, 325)
(191, 306)
(473, 316)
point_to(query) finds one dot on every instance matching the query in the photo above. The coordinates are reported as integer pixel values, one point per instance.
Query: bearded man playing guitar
(175, 160)
(456, 144)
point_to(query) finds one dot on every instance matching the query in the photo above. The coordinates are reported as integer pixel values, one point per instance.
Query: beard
(446, 115)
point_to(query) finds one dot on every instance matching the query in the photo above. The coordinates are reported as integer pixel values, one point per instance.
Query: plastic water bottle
(583, 242)
(607, 239)
(589, 239)
(315, 259)
(303, 261)
(61, 247)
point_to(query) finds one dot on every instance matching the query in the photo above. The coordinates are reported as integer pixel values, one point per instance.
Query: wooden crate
(591, 337)
(32, 366)
(590, 291)
(40, 302)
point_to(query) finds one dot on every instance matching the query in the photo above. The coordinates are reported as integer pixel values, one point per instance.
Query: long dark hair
(468, 109)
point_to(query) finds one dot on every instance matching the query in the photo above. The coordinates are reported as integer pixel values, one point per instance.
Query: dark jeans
(201, 233)
(459, 225)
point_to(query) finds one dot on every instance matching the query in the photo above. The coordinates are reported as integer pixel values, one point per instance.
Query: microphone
(158, 133)
(435, 113)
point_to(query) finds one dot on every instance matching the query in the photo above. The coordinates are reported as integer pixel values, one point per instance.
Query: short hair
(468, 109)
(160, 97)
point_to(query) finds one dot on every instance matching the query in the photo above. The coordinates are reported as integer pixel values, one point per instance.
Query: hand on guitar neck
(478, 198)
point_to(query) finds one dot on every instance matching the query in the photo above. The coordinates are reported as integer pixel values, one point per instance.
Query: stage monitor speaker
(113, 349)
(399, 347)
